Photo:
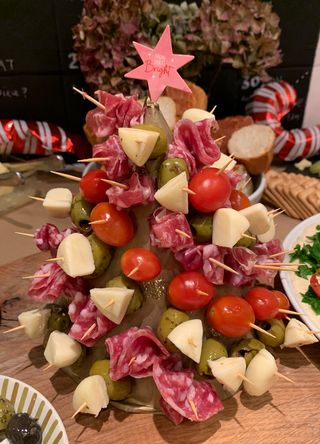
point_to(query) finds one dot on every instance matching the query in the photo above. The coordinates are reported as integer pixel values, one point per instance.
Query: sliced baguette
(253, 146)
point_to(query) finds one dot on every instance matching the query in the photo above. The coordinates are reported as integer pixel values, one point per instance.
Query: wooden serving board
(288, 414)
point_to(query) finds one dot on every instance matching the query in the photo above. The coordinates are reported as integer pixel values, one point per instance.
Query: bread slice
(253, 146)
(184, 100)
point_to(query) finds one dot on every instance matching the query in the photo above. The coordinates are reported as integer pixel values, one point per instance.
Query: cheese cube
(228, 227)
(228, 372)
(34, 322)
(138, 144)
(258, 218)
(92, 392)
(58, 202)
(222, 161)
(261, 372)
(296, 334)
(172, 195)
(187, 337)
(61, 350)
(76, 252)
(268, 235)
(112, 302)
(197, 114)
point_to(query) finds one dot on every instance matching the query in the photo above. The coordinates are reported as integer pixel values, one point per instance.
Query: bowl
(26, 399)
(259, 184)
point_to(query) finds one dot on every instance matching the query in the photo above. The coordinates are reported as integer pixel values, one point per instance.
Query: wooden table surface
(288, 414)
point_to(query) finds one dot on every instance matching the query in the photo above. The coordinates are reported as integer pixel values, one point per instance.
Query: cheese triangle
(187, 337)
(296, 334)
(112, 302)
(77, 257)
(228, 372)
(228, 227)
(138, 144)
(172, 196)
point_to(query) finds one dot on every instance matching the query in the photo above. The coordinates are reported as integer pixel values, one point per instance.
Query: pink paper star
(160, 66)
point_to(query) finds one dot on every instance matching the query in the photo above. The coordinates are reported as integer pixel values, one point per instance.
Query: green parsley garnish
(312, 299)
(308, 254)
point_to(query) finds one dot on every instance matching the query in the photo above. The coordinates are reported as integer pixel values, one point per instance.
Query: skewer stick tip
(262, 330)
(19, 327)
(79, 410)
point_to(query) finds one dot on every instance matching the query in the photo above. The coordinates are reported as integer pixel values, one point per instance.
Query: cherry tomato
(230, 315)
(118, 227)
(145, 263)
(283, 303)
(239, 200)
(212, 190)
(263, 302)
(92, 188)
(190, 291)
(315, 283)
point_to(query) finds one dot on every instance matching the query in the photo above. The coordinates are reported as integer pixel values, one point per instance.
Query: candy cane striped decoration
(268, 105)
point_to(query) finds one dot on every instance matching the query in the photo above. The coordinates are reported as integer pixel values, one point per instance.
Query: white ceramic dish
(26, 399)
(289, 243)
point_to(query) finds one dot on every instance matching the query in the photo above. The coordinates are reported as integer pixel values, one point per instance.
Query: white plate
(289, 243)
(26, 399)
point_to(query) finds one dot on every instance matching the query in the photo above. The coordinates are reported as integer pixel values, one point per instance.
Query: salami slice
(190, 258)
(133, 353)
(170, 413)
(140, 192)
(194, 400)
(48, 237)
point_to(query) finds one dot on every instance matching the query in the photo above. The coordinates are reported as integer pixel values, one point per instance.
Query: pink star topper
(160, 66)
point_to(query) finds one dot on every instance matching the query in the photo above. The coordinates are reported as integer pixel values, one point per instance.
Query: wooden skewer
(287, 318)
(222, 265)
(201, 293)
(82, 406)
(19, 327)
(312, 332)
(24, 234)
(281, 253)
(132, 272)
(87, 333)
(274, 211)
(219, 139)
(109, 303)
(115, 184)
(280, 375)
(277, 214)
(255, 327)
(244, 378)
(193, 408)
(91, 99)
(36, 276)
(187, 190)
(66, 176)
(225, 165)
(269, 267)
(55, 259)
(304, 355)
(213, 109)
(291, 264)
(98, 222)
(131, 361)
(248, 236)
(283, 310)
(40, 199)
(182, 233)
(245, 184)
(94, 159)
(47, 367)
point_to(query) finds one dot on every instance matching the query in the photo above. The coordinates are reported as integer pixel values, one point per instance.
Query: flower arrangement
(243, 33)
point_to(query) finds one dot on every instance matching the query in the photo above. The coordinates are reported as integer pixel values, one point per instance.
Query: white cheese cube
(268, 235)
(197, 114)
(228, 227)
(76, 252)
(187, 337)
(172, 196)
(258, 218)
(296, 334)
(138, 144)
(222, 161)
(34, 322)
(92, 392)
(58, 202)
(61, 350)
(229, 372)
(261, 372)
(112, 302)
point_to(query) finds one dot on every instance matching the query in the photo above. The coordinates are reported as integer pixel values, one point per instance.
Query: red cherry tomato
(190, 291)
(118, 227)
(145, 263)
(212, 190)
(230, 315)
(315, 283)
(283, 303)
(263, 302)
(92, 188)
(239, 200)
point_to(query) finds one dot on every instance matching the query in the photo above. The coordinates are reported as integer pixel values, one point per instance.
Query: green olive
(101, 255)
(246, 348)
(58, 320)
(277, 328)
(6, 412)
(202, 225)
(117, 390)
(247, 241)
(80, 213)
(171, 168)
(137, 298)
(169, 320)
(162, 142)
(211, 350)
